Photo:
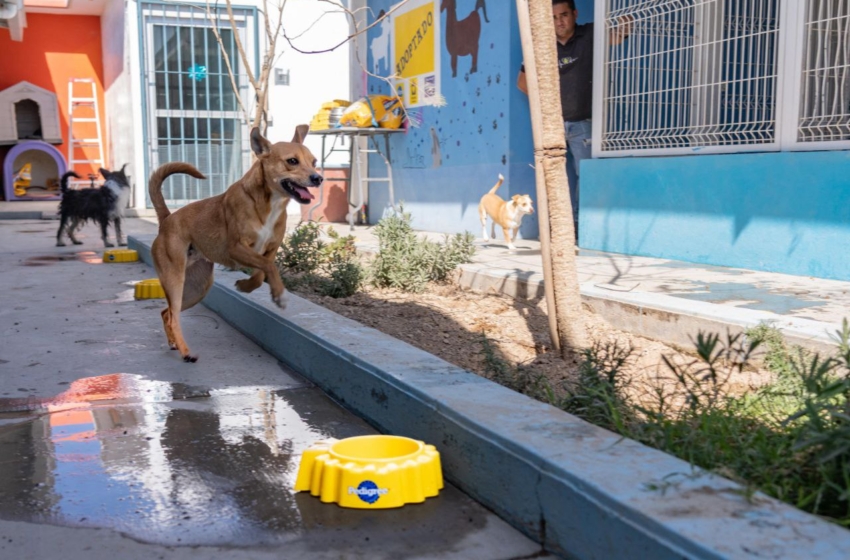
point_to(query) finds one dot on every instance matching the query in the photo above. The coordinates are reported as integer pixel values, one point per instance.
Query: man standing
(575, 65)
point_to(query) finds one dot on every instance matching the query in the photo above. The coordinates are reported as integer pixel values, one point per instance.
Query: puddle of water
(83, 256)
(179, 465)
(751, 296)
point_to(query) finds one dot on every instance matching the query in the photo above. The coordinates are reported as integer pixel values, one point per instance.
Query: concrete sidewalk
(112, 447)
(658, 298)
(578, 489)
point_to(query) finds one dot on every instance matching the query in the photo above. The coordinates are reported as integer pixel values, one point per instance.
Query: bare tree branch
(349, 37)
(226, 57)
(239, 46)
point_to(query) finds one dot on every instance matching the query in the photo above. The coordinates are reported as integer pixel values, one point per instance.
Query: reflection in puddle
(173, 464)
(83, 256)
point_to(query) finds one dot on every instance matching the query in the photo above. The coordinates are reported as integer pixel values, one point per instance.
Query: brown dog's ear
(259, 145)
(300, 133)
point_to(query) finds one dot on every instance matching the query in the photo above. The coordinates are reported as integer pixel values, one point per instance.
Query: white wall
(119, 146)
(314, 78)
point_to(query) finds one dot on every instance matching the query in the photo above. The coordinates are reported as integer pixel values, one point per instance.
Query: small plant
(301, 251)
(344, 276)
(704, 378)
(519, 379)
(330, 268)
(600, 393)
(408, 263)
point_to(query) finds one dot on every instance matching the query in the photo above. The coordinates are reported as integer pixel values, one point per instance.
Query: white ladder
(83, 108)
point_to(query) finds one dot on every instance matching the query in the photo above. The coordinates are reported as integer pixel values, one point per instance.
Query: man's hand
(622, 30)
(521, 83)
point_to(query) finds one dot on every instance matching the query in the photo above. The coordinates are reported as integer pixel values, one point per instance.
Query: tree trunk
(555, 216)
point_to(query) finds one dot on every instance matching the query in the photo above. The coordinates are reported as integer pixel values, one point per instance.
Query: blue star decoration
(197, 72)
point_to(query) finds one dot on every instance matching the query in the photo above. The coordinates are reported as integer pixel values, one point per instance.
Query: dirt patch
(450, 322)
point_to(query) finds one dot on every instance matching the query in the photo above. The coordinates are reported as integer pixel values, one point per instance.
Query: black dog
(101, 205)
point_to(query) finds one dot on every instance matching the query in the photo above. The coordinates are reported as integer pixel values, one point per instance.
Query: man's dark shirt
(575, 64)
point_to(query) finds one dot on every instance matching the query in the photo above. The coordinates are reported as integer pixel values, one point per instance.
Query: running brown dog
(242, 227)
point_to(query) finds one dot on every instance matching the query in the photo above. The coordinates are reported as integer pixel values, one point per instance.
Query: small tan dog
(507, 214)
(242, 227)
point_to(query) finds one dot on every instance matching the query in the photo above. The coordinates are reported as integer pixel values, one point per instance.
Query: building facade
(721, 129)
(162, 80)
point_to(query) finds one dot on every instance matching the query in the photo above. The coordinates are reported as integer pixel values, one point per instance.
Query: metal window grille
(691, 74)
(825, 95)
(193, 112)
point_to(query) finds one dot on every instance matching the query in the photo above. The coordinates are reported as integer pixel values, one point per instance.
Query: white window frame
(789, 88)
(793, 83)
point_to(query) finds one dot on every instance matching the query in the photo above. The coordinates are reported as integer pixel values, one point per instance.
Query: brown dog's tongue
(304, 193)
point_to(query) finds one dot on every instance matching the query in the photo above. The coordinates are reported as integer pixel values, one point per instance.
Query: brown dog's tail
(498, 184)
(155, 184)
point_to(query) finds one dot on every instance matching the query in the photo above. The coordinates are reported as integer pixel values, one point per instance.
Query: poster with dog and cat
(415, 51)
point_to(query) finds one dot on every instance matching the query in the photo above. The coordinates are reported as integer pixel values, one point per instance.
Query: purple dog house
(47, 163)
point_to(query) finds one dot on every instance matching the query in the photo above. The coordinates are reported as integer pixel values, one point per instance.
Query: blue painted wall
(483, 130)
(785, 212)
(472, 130)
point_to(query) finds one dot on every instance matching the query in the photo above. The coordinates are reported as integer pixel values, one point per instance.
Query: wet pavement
(111, 446)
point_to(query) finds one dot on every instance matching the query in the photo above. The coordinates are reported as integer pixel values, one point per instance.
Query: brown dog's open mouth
(299, 193)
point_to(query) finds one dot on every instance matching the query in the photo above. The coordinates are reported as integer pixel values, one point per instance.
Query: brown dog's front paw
(280, 300)
(245, 285)
(190, 359)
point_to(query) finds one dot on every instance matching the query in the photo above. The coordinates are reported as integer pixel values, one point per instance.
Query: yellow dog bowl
(370, 472)
(120, 255)
(149, 289)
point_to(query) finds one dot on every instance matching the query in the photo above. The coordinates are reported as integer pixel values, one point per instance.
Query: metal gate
(191, 106)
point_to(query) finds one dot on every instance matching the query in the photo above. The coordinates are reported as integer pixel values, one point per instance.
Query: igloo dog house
(28, 112)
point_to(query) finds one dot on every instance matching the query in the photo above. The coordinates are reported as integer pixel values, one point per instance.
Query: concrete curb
(580, 490)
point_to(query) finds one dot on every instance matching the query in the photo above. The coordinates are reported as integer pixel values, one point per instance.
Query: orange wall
(56, 48)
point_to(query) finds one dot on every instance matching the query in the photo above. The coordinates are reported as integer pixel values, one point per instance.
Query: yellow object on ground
(22, 179)
(149, 289)
(120, 255)
(370, 472)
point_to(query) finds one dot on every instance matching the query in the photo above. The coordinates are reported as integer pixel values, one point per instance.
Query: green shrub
(801, 457)
(328, 268)
(408, 263)
(302, 250)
